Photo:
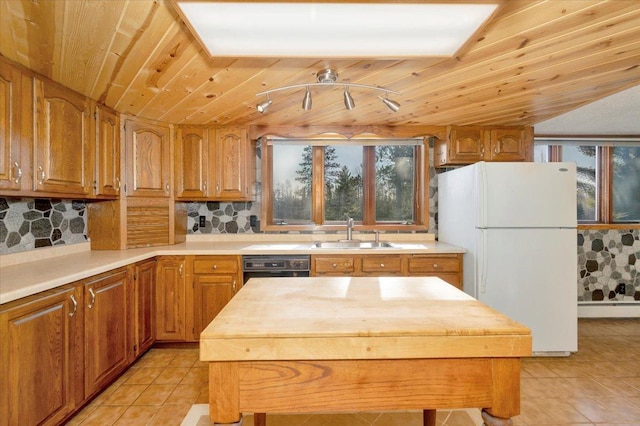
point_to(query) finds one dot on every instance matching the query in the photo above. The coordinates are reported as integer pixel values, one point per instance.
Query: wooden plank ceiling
(532, 61)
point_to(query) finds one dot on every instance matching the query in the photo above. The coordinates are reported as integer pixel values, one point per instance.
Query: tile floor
(599, 385)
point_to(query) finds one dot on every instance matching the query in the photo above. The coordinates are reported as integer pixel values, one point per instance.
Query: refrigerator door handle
(482, 195)
(482, 260)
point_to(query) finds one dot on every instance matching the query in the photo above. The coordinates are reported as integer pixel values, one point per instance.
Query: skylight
(336, 30)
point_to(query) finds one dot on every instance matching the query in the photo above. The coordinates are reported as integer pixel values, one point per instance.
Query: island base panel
(363, 385)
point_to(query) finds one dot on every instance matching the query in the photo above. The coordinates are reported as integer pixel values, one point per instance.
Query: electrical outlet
(253, 220)
(203, 222)
(622, 288)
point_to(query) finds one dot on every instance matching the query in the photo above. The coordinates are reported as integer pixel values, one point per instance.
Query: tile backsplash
(608, 261)
(28, 223)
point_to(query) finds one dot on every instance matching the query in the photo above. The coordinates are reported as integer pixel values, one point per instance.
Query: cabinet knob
(233, 286)
(214, 267)
(166, 187)
(180, 270)
(334, 265)
(382, 265)
(435, 266)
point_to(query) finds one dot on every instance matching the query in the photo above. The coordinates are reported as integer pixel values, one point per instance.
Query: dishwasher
(261, 266)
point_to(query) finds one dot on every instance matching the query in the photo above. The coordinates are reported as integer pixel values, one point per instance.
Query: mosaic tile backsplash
(608, 264)
(26, 223)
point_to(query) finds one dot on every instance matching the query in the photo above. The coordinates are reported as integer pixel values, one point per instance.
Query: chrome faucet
(349, 228)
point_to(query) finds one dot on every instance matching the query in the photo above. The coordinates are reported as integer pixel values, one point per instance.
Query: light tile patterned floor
(600, 385)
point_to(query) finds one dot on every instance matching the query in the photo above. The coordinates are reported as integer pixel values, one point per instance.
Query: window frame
(604, 176)
(421, 190)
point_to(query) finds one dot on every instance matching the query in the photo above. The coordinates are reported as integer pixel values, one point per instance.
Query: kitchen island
(335, 344)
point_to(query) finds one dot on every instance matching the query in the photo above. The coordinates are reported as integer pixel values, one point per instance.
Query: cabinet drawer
(433, 264)
(222, 264)
(381, 264)
(334, 265)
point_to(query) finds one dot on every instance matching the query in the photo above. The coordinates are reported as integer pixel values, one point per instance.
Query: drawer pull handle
(180, 270)
(93, 298)
(117, 188)
(75, 306)
(233, 287)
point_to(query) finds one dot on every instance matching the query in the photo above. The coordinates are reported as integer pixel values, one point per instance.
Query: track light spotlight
(348, 100)
(392, 105)
(306, 101)
(262, 107)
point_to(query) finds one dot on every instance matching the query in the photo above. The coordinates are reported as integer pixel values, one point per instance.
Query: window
(311, 184)
(608, 177)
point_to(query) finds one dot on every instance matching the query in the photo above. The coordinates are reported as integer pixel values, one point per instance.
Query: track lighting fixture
(393, 105)
(348, 100)
(327, 78)
(306, 101)
(262, 107)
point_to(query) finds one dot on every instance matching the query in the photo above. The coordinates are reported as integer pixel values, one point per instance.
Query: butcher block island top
(331, 344)
(375, 318)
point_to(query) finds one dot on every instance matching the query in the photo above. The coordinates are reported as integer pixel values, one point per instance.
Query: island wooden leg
(429, 417)
(490, 420)
(259, 419)
(224, 393)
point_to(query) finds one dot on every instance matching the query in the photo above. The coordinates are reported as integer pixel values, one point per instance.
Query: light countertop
(28, 273)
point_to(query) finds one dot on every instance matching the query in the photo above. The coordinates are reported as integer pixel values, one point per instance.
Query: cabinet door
(39, 357)
(144, 279)
(466, 144)
(191, 160)
(62, 145)
(170, 299)
(231, 164)
(508, 145)
(106, 329)
(148, 157)
(11, 166)
(107, 173)
(211, 294)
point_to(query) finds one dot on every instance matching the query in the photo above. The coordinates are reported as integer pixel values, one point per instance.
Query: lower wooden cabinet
(41, 358)
(106, 352)
(144, 293)
(216, 279)
(171, 298)
(445, 266)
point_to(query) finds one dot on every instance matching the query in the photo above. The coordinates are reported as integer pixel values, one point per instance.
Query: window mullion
(369, 186)
(605, 184)
(317, 200)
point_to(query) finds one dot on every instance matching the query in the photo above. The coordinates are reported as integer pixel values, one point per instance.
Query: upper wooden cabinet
(62, 162)
(148, 158)
(191, 162)
(213, 163)
(231, 164)
(470, 144)
(107, 147)
(13, 168)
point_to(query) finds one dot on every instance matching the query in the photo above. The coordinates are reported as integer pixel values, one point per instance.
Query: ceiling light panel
(349, 30)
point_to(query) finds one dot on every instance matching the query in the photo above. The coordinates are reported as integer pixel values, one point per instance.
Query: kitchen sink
(351, 244)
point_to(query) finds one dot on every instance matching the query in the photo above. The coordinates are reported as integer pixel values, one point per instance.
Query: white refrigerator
(518, 223)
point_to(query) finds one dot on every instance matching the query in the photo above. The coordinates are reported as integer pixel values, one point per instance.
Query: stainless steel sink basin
(353, 244)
